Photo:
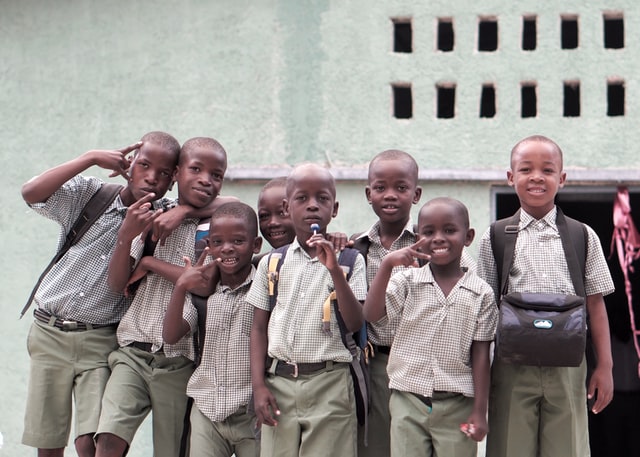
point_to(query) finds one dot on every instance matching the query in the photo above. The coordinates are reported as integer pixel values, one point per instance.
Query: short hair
(536, 139)
(203, 142)
(280, 181)
(396, 154)
(457, 204)
(241, 211)
(163, 140)
(319, 168)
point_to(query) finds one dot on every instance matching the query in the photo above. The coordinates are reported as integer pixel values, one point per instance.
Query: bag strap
(95, 207)
(276, 258)
(574, 237)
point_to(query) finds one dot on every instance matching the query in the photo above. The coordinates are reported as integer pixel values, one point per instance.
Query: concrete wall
(284, 81)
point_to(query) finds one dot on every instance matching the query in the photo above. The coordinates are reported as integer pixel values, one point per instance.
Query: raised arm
(39, 188)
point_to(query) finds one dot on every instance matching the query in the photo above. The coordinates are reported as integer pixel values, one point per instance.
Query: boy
(439, 362)
(221, 385)
(533, 410)
(304, 394)
(146, 373)
(75, 291)
(275, 225)
(391, 191)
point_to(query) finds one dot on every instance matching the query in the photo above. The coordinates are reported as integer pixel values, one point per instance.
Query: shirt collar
(374, 232)
(527, 219)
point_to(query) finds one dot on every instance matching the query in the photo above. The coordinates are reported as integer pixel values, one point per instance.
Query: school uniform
(540, 411)
(146, 373)
(221, 423)
(76, 315)
(430, 360)
(318, 406)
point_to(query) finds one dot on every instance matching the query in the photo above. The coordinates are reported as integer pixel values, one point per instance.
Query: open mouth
(439, 251)
(229, 262)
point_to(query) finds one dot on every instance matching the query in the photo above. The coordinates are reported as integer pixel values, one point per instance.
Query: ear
(510, 178)
(471, 234)
(285, 206)
(417, 195)
(335, 209)
(367, 193)
(563, 179)
(257, 245)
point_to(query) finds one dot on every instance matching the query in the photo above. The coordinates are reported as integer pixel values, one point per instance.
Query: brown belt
(66, 325)
(147, 347)
(382, 349)
(293, 370)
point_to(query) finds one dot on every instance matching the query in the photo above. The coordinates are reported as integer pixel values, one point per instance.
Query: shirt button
(81, 294)
(103, 257)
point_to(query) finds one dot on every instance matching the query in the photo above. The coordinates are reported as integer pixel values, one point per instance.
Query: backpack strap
(276, 258)
(94, 208)
(200, 304)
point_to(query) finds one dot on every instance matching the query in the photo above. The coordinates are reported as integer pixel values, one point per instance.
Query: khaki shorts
(67, 369)
(140, 382)
(236, 435)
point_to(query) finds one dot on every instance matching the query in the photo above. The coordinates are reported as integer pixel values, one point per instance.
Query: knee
(110, 445)
(58, 452)
(85, 446)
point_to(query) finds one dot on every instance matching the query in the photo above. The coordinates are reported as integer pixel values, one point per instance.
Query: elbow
(29, 194)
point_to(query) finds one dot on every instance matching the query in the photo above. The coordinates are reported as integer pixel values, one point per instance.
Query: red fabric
(627, 243)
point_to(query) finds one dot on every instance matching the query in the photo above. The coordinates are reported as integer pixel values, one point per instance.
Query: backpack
(355, 342)
(93, 209)
(541, 329)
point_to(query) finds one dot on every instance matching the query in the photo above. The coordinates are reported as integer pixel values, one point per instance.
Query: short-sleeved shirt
(143, 320)
(539, 263)
(295, 327)
(431, 350)
(222, 382)
(76, 286)
(382, 333)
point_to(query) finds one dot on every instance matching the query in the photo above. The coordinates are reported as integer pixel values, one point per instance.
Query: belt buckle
(295, 369)
(68, 325)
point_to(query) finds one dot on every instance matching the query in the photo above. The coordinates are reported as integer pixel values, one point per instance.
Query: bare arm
(264, 401)
(480, 365)
(39, 188)
(602, 377)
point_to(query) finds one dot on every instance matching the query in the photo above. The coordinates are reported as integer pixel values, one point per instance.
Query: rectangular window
(571, 106)
(487, 35)
(402, 35)
(445, 35)
(402, 101)
(528, 100)
(529, 33)
(569, 32)
(488, 101)
(615, 98)
(613, 31)
(446, 101)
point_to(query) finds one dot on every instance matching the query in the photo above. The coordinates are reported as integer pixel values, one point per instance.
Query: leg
(110, 445)
(205, 439)
(85, 446)
(282, 440)
(59, 452)
(409, 426)
(379, 417)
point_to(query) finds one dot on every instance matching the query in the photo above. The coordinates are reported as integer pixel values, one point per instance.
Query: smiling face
(275, 225)
(536, 175)
(311, 199)
(152, 170)
(444, 224)
(200, 174)
(392, 189)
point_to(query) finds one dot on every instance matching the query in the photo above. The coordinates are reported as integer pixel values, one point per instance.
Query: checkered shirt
(539, 263)
(381, 332)
(143, 320)
(76, 286)
(295, 326)
(222, 382)
(432, 346)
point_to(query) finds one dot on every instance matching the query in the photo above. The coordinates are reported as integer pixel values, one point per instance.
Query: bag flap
(543, 301)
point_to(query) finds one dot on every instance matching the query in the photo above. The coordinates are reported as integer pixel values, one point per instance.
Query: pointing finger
(126, 150)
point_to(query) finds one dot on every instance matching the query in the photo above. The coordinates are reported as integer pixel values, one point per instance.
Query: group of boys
(273, 376)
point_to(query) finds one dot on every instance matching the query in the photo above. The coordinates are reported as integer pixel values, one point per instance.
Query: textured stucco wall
(279, 82)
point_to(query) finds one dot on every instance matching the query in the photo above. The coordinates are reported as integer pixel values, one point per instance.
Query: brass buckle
(68, 326)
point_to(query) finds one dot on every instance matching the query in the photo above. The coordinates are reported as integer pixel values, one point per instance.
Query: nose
(151, 177)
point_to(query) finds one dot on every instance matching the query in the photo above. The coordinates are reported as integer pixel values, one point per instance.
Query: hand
(165, 224)
(339, 240)
(475, 428)
(198, 278)
(140, 216)
(324, 250)
(132, 283)
(116, 160)
(266, 407)
(407, 257)
(600, 388)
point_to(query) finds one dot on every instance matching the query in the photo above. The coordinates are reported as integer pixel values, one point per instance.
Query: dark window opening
(569, 33)
(402, 36)
(613, 32)
(488, 35)
(615, 99)
(446, 102)
(402, 102)
(488, 101)
(529, 101)
(571, 99)
(529, 34)
(445, 35)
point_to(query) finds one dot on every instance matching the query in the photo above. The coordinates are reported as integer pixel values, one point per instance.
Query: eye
(215, 242)
(403, 188)
(165, 174)
(195, 169)
(378, 188)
